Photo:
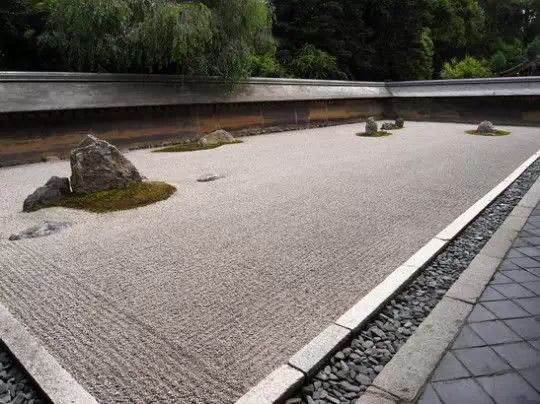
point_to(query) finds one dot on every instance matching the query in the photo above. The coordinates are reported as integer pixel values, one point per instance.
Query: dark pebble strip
(352, 370)
(15, 385)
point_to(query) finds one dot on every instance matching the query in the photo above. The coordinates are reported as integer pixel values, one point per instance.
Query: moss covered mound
(134, 196)
(496, 133)
(380, 133)
(191, 146)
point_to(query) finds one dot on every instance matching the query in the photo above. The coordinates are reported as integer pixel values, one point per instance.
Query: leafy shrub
(265, 66)
(498, 62)
(512, 50)
(533, 49)
(469, 67)
(313, 63)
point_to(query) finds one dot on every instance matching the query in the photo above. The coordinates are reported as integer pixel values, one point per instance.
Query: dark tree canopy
(333, 39)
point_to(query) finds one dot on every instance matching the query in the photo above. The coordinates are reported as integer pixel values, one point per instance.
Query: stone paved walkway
(496, 358)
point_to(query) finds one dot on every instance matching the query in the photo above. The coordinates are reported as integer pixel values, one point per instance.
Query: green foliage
(496, 133)
(192, 146)
(348, 39)
(498, 62)
(513, 51)
(457, 27)
(134, 196)
(210, 37)
(533, 49)
(467, 68)
(313, 63)
(265, 66)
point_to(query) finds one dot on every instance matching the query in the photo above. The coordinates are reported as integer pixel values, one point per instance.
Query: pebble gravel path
(15, 386)
(352, 370)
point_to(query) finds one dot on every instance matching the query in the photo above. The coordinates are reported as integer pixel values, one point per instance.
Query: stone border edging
(276, 386)
(51, 378)
(404, 377)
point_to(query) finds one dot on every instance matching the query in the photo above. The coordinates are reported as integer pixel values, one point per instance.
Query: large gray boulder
(54, 189)
(217, 137)
(96, 165)
(485, 127)
(371, 126)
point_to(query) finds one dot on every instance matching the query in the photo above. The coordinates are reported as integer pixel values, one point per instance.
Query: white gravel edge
(54, 381)
(321, 347)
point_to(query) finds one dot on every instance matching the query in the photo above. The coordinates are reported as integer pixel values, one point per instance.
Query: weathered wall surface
(43, 115)
(508, 110)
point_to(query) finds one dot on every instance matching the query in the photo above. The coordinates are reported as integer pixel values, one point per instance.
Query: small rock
(388, 126)
(41, 230)
(368, 344)
(371, 126)
(54, 189)
(363, 379)
(209, 177)
(378, 332)
(349, 387)
(400, 122)
(485, 127)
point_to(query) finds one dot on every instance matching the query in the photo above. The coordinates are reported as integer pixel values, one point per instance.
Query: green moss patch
(380, 133)
(497, 133)
(134, 196)
(191, 146)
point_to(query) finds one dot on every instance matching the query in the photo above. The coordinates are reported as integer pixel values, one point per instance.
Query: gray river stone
(53, 190)
(41, 230)
(209, 177)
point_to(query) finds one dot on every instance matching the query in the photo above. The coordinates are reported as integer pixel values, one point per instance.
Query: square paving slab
(197, 298)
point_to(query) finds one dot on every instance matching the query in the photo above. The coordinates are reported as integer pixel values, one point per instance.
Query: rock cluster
(96, 165)
(216, 138)
(486, 128)
(352, 369)
(398, 124)
(371, 126)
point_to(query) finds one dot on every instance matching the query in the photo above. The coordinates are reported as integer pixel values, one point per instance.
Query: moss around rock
(134, 196)
(192, 146)
(380, 133)
(496, 132)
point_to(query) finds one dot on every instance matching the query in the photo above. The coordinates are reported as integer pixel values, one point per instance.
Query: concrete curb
(309, 359)
(53, 380)
(404, 377)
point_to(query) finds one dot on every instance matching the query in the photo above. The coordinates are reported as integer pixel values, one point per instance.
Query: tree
(467, 68)
(313, 63)
(533, 49)
(333, 26)
(457, 28)
(211, 37)
(498, 62)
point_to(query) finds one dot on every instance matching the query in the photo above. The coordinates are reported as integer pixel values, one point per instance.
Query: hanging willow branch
(214, 37)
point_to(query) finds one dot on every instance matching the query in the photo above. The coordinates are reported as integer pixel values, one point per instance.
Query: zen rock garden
(102, 179)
